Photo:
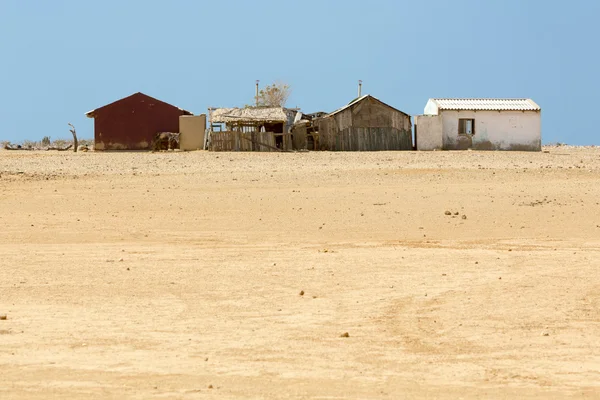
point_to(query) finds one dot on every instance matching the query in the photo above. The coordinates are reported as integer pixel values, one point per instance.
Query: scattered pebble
(302, 293)
(448, 213)
(345, 335)
(3, 317)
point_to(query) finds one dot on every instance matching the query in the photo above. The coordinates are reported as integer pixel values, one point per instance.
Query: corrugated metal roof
(90, 114)
(487, 104)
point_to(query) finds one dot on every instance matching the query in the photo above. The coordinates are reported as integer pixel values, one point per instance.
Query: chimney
(359, 88)
(256, 97)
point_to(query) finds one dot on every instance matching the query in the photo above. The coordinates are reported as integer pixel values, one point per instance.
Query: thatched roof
(250, 114)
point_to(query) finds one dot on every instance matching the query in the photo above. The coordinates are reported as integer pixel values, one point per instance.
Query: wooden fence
(351, 139)
(242, 141)
(366, 139)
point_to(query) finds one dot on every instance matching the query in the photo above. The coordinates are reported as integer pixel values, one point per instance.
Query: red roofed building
(132, 122)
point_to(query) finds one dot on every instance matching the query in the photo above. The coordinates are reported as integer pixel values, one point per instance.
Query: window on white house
(466, 126)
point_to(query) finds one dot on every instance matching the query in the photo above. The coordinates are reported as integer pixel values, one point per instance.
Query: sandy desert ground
(235, 276)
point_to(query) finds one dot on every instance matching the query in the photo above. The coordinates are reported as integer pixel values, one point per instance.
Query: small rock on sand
(345, 335)
(3, 317)
(302, 293)
(447, 213)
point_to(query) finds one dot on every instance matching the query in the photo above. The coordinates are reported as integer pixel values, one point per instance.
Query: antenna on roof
(256, 98)
(359, 88)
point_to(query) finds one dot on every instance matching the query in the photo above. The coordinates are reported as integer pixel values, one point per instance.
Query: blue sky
(62, 58)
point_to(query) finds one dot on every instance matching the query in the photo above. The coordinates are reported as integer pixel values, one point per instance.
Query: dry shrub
(60, 143)
(86, 142)
(29, 144)
(274, 95)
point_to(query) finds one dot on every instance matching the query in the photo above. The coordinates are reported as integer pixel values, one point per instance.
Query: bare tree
(274, 95)
(72, 130)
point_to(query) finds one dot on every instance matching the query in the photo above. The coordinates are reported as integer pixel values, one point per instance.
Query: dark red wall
(132, 122)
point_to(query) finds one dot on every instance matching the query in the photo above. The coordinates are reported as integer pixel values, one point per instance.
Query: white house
(479, 124)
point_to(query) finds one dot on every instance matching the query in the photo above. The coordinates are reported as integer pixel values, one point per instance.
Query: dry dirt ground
(235, 276)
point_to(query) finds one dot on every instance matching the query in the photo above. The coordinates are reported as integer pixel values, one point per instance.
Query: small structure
(479, 124)
(250, 129)
(305, 134)
(365, 124)
(132, 123)
(192, 129)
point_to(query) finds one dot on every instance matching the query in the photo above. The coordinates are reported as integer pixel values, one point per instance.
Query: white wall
(494, 130)
(429, 132)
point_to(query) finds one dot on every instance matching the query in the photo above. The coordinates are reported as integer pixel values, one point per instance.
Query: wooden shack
(365, 124)
(250, 129)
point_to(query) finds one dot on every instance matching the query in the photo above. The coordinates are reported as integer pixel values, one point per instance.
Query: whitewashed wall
(494, 130)
(429, 132)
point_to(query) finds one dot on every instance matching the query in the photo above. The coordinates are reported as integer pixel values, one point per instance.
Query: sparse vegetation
(274, 95)
(45, 144)
(86, 142)
(28, 144)
(61, 143)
